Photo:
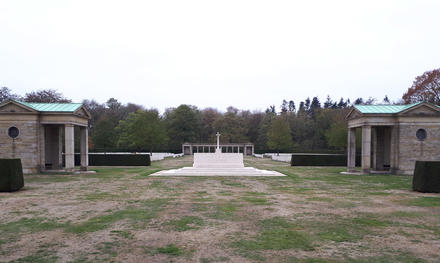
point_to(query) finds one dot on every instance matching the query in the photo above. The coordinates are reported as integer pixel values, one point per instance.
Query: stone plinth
(218, 160)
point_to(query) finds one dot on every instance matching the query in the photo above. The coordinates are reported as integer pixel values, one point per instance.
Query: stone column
(366, 149)
(69, 141)
(42, 147)
(374, 149)
(84, 148)
(351, 150)
(394, 155)
(379, 148)
(60, 147)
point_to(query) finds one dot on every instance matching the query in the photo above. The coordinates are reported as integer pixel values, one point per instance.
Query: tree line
(311, 126)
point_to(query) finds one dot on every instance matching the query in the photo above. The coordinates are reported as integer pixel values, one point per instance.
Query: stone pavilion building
(394, 137)
(34, 133)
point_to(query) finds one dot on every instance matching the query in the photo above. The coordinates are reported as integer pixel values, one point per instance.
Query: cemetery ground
(314, 214)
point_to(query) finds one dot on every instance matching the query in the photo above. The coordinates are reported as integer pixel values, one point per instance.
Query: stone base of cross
(218, 150)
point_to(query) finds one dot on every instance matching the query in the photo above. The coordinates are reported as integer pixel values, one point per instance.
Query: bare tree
(45, 96)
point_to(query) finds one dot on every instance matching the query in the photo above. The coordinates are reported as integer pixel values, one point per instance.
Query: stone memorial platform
(217, 164)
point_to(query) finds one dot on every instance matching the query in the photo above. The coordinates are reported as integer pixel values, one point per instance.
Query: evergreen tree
(292, 107)
(284, 107)
(307, 104)
(271, 109)
(314, 107)
(328, 103)
(359, 101)
(342, 104)
(265, 125)
(302, 108)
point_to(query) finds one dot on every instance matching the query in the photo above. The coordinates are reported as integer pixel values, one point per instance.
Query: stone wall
(411, 149)
(25, 146)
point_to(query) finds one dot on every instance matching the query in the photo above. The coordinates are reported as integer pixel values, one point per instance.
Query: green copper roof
(383, 109)
(52, 107)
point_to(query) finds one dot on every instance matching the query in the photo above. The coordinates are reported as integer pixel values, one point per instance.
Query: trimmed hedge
(11, 175)
(116, 159)
(427, 177)
(321, 160)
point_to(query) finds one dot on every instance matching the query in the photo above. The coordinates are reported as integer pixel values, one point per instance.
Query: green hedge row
(11, 175)
(427, 177)
(116, 160)
(321, 160)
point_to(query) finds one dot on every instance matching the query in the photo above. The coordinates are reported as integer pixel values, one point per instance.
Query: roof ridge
(386, 109)
(49, 102)
(415, 103)
(51, 106)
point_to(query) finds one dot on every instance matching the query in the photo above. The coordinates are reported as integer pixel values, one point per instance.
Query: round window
(421, 134)
(13, 132)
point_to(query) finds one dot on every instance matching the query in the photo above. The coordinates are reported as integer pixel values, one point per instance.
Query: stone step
(190, 171)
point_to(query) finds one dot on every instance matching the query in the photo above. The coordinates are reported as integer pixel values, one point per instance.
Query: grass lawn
(314, 214)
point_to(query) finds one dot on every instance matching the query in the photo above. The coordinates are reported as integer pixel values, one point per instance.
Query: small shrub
(11, 175)
(427, 177)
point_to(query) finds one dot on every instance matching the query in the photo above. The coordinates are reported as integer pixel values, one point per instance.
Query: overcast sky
(249, 54)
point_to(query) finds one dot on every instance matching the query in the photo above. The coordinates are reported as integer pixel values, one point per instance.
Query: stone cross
(218, 140)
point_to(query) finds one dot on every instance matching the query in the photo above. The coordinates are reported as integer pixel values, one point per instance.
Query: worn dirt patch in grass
(203, 217)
